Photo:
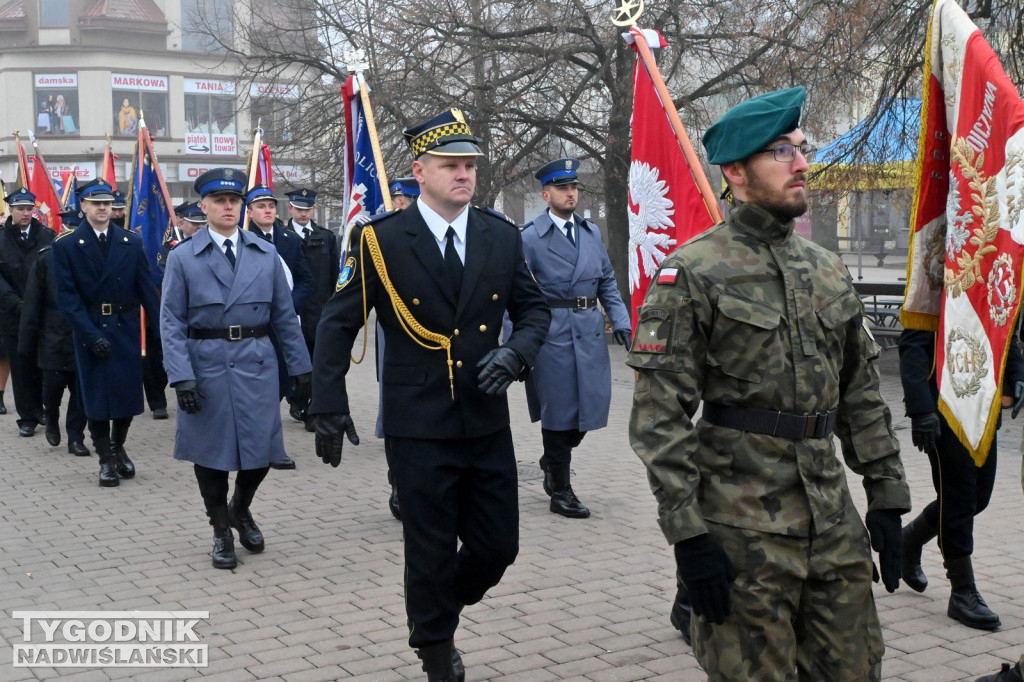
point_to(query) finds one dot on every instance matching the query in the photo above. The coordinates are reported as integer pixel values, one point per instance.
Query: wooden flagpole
(644, 50)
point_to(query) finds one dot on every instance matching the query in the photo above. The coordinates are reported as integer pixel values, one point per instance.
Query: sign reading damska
(134, 81)
(206, 86)
(56, 80)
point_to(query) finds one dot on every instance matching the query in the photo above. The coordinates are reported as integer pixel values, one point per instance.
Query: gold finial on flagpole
(628, 12)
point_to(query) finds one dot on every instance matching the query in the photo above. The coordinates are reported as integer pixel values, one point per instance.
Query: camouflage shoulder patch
(654, 331)
(487, 210)
(346, 274)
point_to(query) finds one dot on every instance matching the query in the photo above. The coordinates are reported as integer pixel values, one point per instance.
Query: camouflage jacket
(749, 314)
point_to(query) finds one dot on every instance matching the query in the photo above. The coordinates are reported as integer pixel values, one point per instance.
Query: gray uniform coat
(571, 385)
(239, 426)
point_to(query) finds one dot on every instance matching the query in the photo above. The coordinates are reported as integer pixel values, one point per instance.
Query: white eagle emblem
(647, 237)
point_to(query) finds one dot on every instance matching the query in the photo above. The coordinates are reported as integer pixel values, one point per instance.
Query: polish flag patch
(668, 276)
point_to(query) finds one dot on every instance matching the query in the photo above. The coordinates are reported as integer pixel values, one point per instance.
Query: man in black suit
(21, 238)
(261, 205)
(453, 272)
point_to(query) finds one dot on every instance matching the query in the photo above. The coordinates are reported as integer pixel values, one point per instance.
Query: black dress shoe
(297, 413)
(160, 413)
(77, 448)
(27, 430)
(286, 463)
(42, 419)
(53, 434)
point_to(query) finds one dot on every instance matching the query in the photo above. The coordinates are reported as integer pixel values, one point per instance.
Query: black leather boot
(52, 429)
(241, 520)
(1008, 673)
(108, 470)
(563, 499)
(965, 603)
(438, 662)
(223, 540)
(118, 435)
(548, 479)
(681, 610)
(916, 535)
(393, 505)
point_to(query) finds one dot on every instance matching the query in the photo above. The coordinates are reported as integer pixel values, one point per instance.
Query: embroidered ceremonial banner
(964, 270)
(47, 210)
(364, 196)
(148, 211)
(665, 205)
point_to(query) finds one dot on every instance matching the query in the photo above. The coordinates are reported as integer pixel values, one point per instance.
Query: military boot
(108, 463)
(563, 499)
(439, 662)
(241, 519)
(125, 467)
(548, 480)
(223, 539)
(966, 603)
(916, 535)
(1008, 673)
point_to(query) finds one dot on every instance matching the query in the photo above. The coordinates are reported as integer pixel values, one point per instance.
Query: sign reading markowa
(116, 639)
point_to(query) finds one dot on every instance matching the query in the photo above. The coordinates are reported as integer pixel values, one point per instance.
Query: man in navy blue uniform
(452, 271)
(403, 192)
(570, 390)
(102, 277)
(322, 250)
(21, 239)
(261, 205)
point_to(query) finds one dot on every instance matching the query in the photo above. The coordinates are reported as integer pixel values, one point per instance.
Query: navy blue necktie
(229, 253)
(568, 233)
(103, 243)
(453, 262)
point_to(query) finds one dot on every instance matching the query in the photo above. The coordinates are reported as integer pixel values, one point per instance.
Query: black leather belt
(578, 303)
(233, 333)
(771, 422)
(113, 308)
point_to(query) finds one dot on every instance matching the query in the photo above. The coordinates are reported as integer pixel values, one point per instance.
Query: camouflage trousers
(802, 608)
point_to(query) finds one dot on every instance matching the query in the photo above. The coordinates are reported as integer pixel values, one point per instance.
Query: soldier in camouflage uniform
(766, 328)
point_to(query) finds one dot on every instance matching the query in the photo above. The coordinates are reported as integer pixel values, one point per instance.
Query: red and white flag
(108, 174)
(967, 248)
(666, 207)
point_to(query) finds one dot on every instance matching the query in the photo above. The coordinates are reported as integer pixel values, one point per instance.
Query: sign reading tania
(129, 81)
(56, 80)
(205, 86)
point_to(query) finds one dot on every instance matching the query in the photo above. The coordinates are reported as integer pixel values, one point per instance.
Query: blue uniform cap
(193, 213)
(558, 172)
(407, 186)
(119, 200)
(752, 125)
(71, 218)
(96, 190)
(20, 197)
(447, 134)
(221, 181)
(302, 198)
(259, 192)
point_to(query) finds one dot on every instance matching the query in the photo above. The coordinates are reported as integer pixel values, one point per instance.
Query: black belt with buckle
(578, 303)
(233, 333)
(771, 422)
(113, 308)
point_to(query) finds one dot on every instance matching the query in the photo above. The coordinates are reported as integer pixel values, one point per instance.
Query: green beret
(752, 125)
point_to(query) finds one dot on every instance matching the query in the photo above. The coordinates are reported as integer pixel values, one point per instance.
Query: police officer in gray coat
(570, 390)
(224, 291)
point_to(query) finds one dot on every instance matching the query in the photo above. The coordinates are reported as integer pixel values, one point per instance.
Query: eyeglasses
(786, 153)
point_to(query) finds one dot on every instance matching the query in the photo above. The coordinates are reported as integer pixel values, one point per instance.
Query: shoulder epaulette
(179, 243)
(497, 214)
(62, 235)
(45, 248)
(370, 220)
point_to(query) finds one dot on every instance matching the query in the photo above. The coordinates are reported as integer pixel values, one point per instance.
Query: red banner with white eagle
(967, 248)
(666, 206)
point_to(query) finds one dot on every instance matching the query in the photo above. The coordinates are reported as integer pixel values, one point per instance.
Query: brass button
(483, 327)
(415, 301)
(456, 332)
(458, 363)
(494, 297)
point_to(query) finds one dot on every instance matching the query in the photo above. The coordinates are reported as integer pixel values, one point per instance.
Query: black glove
(302, 390)
(705, 568)
(499, 368)
(622, 337)
(924, 430)
(100, 348)
(188, 396)
(1018, 399)
(885, 529)
(329, 430)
